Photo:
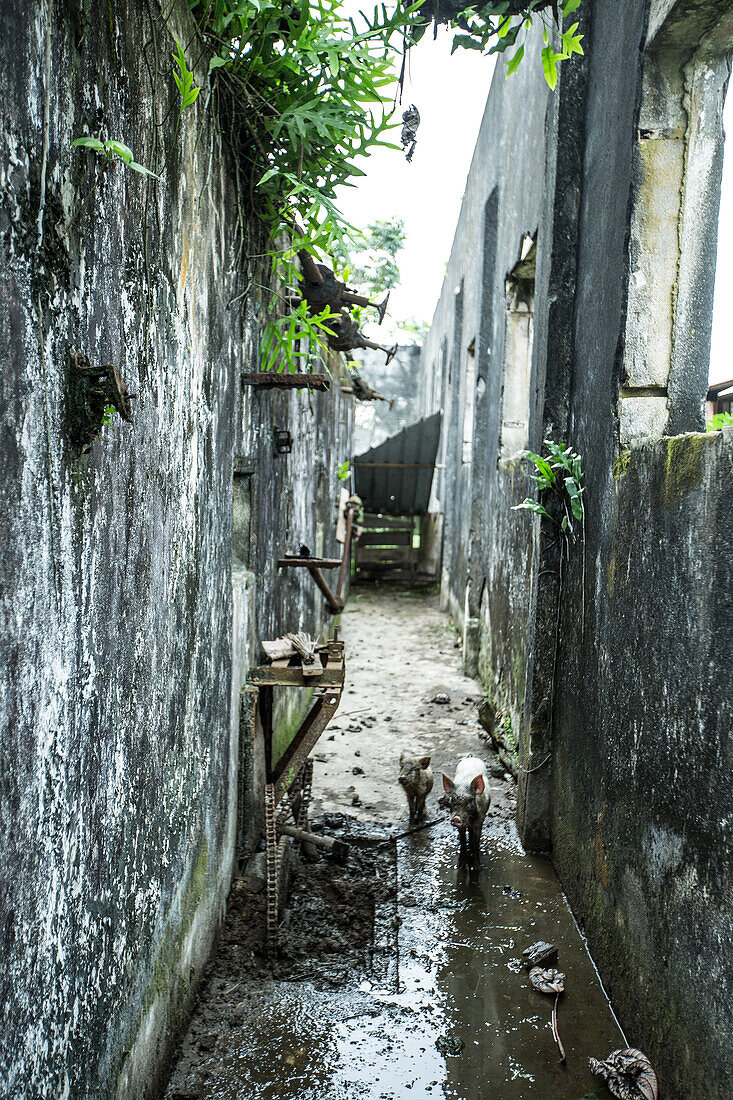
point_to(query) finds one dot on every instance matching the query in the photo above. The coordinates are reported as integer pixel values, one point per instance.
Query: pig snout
(455, 820)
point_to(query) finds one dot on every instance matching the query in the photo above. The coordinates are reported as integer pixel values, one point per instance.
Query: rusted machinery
(288, 779)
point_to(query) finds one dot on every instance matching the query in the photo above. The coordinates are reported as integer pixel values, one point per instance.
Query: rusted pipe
(327, 843)
(333, 603)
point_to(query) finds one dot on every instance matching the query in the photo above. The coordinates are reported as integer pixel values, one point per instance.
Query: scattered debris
(628, 1075)
(547, 981)
(449, 1045)
(539, 954)
(550, 981)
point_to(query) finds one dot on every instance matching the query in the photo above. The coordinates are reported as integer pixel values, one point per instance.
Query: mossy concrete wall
(642, 811)
(614, 666)
(125, 634)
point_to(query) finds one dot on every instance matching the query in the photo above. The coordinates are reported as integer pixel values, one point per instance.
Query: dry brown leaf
(628, 1074)
(547, 981)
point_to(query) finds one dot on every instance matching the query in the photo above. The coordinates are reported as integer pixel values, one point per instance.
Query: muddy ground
(398, 976)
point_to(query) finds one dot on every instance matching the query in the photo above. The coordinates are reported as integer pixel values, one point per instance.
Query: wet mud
(399, 975)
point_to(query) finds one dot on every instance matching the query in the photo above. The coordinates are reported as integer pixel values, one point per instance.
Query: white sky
(450, 93)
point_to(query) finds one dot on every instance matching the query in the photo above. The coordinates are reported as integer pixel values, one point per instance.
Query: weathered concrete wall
(463, 353)
(123, 648)
(641, 799)
(613, 679)
(642, 809)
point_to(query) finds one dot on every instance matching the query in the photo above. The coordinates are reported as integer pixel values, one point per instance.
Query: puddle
(445, 1008)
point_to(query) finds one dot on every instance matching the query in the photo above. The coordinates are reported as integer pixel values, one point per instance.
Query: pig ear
(424, 761)
(478, 784)
(448, 784)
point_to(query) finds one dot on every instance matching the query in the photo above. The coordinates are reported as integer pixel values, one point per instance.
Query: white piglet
(467, 797)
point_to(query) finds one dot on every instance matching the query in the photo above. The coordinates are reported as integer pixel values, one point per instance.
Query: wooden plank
(385, 538)
(372, 554)
(266, 676)
(400, 523)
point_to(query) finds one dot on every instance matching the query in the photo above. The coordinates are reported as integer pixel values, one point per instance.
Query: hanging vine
(303, 90)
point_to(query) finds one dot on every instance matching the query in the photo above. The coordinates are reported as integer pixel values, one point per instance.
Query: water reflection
(502, 1027)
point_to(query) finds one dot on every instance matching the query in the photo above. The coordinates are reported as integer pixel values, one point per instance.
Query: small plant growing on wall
(109, 149)
(561, 475)
(559, 478)
(110, 152)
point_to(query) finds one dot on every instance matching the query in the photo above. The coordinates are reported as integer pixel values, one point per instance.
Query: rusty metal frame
(271, 380)
(294, 766)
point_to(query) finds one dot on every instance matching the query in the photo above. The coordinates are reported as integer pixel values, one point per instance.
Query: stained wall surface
(132, 605)
(605, 669)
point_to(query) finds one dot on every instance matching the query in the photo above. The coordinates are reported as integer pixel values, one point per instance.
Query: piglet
(416, 776)
(467, 797)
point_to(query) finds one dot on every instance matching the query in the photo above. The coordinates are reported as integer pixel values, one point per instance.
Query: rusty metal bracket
(334, 600)
(321, 289)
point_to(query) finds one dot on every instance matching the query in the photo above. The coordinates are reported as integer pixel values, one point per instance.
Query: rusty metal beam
(268, 379)
(351, 510)
(310, 730)
(334, 603)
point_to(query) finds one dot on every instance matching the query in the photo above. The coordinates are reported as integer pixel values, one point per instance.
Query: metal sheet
(395, 478)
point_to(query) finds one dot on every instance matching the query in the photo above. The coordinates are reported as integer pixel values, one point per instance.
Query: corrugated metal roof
(395, 478)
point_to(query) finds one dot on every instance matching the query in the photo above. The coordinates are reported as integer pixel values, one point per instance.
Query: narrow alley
(398, 977)
(366, 448)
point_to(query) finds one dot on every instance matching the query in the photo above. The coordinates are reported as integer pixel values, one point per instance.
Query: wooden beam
(267, 676)
(308, 563)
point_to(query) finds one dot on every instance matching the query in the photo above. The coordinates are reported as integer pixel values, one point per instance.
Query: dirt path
(401, 652)
(398, 978)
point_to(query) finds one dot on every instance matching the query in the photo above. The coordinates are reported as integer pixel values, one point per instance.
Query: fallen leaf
(547, 981)
(628, 1074)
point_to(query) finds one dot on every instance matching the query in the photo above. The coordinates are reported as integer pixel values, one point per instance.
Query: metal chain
(273, 876)
(306, 782)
